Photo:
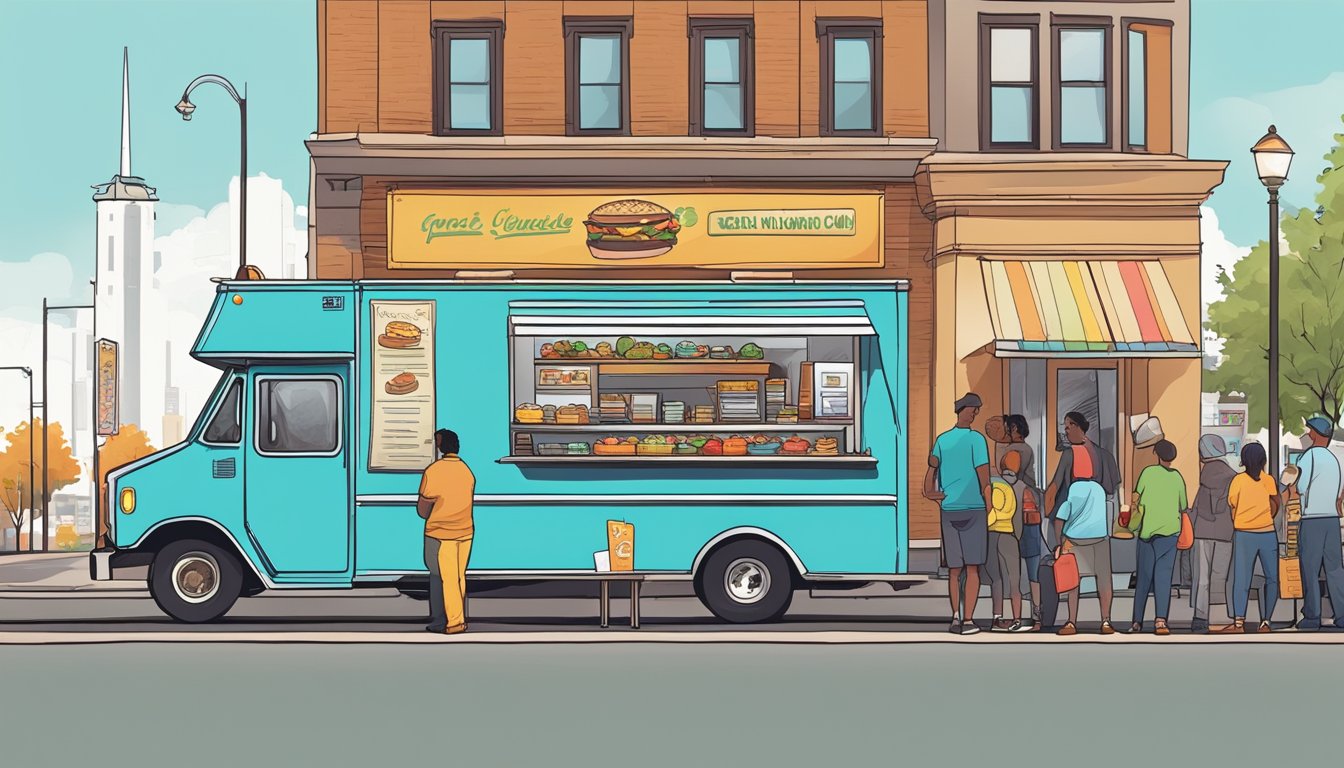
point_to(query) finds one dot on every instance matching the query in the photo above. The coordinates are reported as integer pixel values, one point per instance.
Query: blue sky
(62, 91)
(1254, 62)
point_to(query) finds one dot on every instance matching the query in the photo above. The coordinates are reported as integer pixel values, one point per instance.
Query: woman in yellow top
(1254, 499)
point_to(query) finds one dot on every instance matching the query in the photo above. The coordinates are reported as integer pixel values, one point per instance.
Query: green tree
(1311, 313)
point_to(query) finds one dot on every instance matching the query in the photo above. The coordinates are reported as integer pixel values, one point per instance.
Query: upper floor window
(722, 87)
(597, 75)
(1146, 92)
(1082, 66)
(469, 77)
(1009, 85)
(851, 76)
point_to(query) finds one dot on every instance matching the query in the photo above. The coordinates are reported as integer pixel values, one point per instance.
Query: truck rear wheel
(195, 581)
(745, 582)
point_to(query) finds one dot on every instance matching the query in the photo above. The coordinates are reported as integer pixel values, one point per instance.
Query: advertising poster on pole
(107, 388)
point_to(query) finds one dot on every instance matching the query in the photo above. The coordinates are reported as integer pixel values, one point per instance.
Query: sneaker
(1002, 625)
(1018, 626)
(1309, 625)
(1199, 627)
(1134, 629)
(1106, 628)
(970, 628)
(1265, 626)
(955, 626)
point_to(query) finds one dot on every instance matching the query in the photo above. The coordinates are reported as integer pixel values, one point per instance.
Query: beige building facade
(1066, 220)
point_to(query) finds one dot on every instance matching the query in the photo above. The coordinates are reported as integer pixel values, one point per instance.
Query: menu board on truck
(402, 422)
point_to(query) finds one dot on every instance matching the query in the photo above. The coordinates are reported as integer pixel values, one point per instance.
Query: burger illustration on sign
(400, 335)
(633, 229)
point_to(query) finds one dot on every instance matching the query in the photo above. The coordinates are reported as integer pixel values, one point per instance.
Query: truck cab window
(227, 424)
(298, 416)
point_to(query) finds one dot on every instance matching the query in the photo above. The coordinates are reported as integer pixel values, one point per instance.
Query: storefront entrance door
(1092, 392)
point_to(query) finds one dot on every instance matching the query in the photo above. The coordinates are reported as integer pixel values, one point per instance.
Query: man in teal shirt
(958, 479)
(1318, 534)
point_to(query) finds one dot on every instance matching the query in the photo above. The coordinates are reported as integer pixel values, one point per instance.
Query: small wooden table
(605, 578)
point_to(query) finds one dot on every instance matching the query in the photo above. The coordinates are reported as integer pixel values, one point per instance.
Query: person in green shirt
(1161, 492)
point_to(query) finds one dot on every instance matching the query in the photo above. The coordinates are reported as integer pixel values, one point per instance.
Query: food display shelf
(802, 460)
(694, 365)
(740, 428)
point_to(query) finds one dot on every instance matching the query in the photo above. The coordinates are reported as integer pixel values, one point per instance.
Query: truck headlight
(127, 500)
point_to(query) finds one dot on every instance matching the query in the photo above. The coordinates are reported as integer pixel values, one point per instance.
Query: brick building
(1026, 158)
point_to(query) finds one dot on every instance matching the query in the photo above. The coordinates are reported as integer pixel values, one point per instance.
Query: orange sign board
(482, 229)
(621, 545)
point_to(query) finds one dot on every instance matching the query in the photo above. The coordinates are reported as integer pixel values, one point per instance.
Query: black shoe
(434, 629)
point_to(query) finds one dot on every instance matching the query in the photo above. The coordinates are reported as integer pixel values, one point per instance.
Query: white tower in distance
(125, 254)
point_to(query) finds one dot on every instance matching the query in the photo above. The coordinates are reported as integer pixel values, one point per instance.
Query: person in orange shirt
(446, 493)
(1254, 499)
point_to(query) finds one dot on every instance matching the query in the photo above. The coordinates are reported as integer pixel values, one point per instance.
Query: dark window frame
(576, 27)
(442, 33)
(698, 28)
(1126, 22)
(1059, 23)
(988, 23)
(828, 31)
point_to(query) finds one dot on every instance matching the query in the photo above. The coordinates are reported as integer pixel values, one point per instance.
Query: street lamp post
(28, 374)
(185, 108)
(1273, 156)
(46, 411)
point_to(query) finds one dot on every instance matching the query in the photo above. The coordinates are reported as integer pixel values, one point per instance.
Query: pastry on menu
(400, 335)
(402, 384)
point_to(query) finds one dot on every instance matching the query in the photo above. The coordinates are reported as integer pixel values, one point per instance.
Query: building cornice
(571, 159)
(952, 182)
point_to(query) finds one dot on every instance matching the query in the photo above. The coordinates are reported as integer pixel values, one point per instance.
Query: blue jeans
(1246, 547)
(1318, 547)
(1157, 563)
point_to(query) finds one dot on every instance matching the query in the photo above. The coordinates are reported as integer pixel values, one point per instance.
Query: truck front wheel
(195, 581)
(746, 582)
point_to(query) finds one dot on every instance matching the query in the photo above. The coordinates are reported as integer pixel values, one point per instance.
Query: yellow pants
(447, 564)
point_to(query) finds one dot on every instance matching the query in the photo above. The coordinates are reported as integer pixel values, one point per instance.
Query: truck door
(298, 468)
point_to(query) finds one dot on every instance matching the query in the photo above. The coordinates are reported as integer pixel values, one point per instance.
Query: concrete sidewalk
(55, 572)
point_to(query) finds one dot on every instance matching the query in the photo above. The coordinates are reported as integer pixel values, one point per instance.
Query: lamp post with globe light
(1273, 156)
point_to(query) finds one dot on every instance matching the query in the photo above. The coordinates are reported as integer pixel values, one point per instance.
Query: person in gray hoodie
(1212, 518)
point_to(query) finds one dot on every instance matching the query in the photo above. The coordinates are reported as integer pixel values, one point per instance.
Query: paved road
(644, 705)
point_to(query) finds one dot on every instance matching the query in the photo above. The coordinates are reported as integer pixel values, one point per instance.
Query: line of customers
(992, 518)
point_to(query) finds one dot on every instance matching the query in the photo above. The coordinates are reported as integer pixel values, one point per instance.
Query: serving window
(634, 388)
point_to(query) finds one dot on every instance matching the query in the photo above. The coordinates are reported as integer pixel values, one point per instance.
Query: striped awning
(1085, 308)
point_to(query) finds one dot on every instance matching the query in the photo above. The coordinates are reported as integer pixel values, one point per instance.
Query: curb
(646, 637)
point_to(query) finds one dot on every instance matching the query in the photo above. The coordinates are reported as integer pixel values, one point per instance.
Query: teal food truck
(752, 433)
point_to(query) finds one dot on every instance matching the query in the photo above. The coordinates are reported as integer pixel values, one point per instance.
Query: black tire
(212, 572)
(762, 578)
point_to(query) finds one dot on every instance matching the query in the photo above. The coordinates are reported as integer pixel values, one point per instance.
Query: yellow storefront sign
(662, 228)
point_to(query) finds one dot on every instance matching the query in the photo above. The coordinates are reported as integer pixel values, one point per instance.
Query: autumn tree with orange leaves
(15, 494)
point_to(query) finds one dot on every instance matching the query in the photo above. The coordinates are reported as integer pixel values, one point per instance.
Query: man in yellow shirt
(446, 493)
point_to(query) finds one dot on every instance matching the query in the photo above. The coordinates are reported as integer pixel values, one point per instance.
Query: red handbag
(1066, 573)
(1187, 538)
